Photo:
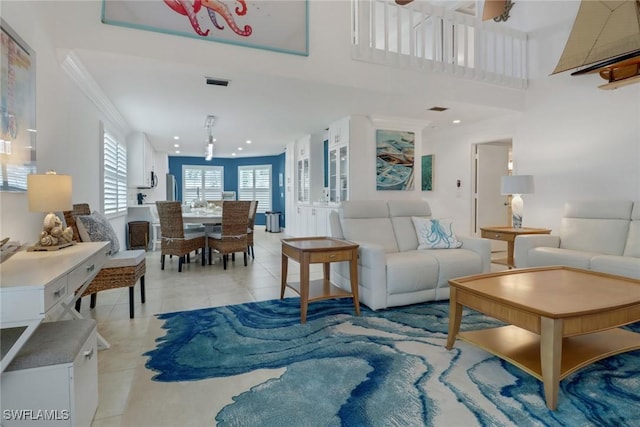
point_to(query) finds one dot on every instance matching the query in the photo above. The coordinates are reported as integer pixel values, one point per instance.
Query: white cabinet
(309, 168)
(338, 161)
(62, 394)
(312, 220)
(140, 161)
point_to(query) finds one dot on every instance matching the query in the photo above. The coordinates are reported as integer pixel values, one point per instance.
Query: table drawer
(331, 256)
(507, 237)
(87, 270)
(55, 292)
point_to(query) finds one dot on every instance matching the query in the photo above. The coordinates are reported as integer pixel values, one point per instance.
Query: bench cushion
(125, 258)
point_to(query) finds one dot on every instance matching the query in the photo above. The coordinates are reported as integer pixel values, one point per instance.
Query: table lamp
(515, 185)
(50, 193)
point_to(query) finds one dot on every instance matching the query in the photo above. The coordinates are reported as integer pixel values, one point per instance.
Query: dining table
(204, 217)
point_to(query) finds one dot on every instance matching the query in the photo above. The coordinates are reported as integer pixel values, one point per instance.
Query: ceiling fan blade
(492, 9)
(403, 2)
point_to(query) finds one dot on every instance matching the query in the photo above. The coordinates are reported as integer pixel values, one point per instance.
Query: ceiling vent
(438, 109)
(216, 82)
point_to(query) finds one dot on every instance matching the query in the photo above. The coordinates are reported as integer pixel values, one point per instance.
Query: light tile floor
(166, 291)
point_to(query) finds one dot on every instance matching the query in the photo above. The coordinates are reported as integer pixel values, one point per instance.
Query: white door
(492, 160)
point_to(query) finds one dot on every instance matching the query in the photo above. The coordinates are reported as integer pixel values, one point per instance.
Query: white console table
(36, 284)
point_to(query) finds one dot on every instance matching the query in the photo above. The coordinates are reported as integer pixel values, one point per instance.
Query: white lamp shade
(49, 192)
(516, 184)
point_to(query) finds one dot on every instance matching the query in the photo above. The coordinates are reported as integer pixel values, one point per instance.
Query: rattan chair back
(170, 215)
(252, 220)
(233, 233)
(70, 218)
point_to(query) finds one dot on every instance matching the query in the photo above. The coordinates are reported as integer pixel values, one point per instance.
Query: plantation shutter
(254, 183)
(204, 182)
(115, 176)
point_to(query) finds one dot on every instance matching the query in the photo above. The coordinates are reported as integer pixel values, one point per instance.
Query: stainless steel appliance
(172, 187)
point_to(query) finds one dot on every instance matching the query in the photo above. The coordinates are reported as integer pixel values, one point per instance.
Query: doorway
(491, 161)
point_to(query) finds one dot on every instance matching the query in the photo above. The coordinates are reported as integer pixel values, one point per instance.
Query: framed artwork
(17, 110)
(277, 25)
(427, 172)
(394, 160)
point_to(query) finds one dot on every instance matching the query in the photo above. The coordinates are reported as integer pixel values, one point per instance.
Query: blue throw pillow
(435, 233)
(97, 228)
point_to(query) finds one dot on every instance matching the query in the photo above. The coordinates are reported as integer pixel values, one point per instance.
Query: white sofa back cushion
(595, 226)
(401, 212)
(632, 247)
(368, 221)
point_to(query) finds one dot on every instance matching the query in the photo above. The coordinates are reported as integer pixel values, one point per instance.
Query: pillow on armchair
(435, 233)
(97, 228)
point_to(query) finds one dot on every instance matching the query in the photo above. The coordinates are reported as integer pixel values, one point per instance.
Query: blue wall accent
(231, 175)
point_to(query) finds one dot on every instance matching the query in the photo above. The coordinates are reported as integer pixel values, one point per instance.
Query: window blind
(202, 182)
(115, 175)
(254, 183)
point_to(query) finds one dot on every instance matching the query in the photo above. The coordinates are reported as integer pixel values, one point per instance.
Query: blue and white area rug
(385, 368)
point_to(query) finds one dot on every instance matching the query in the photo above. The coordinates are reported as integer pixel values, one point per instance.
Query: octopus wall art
(276, 25)
(193, 8)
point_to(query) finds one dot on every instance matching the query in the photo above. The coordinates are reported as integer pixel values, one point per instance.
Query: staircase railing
(431, 38)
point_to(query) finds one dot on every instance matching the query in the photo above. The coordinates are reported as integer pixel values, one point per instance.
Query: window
(254, 183)
(115, 175)
(202, 182)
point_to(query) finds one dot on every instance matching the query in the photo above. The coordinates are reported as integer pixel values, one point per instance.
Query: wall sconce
(515, 185)
(50, 193)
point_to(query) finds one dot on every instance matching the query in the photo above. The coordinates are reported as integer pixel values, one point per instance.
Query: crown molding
(79, 74)
(398, 121)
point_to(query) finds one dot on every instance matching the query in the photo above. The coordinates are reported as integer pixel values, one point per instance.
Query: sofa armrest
(481, 246)
(372, 275)
(525, 242)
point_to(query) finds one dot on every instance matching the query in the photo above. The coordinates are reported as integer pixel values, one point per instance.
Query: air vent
(216, 82)
(438, 109)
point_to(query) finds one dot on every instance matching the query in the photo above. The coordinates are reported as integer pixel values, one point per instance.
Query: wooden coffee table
(561, 319)
(325, 250)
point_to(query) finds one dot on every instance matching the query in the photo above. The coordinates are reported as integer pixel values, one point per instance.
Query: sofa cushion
(368, 221)
(597, 209)
(435, 233)
(543, 256)
(619, 265)
(410, 271)
(401, 212)
(604, 236)
(97, 228)
(632, 246)
(457, 263)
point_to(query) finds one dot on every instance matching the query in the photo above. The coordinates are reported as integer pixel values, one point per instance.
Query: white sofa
(391, 271)
(602, 236)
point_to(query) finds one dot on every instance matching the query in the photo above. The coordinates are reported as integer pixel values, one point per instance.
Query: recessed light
(248, 141)
(239, 148)
(177, 151)
(233, 154)
(176, 145)
(456, 121)
(176, 137)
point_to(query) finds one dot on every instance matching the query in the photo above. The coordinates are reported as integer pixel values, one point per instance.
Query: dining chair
(175, 239)
(123, 268)
(252, 219)
(232, 236)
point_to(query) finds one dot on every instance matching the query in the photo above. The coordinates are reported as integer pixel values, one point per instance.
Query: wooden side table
(509, 234)
(325, 250)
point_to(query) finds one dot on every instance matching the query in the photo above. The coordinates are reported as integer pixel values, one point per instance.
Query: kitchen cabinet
(312, 220)
(338, 161)
(140, 161)
(309, 168)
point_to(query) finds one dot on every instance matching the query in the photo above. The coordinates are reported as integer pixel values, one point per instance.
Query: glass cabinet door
(306, 180)
(300, 182)
(333, 176)
(344, 174)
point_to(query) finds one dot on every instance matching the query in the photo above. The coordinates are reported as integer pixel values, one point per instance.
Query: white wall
(579, 142)
(69, 130)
